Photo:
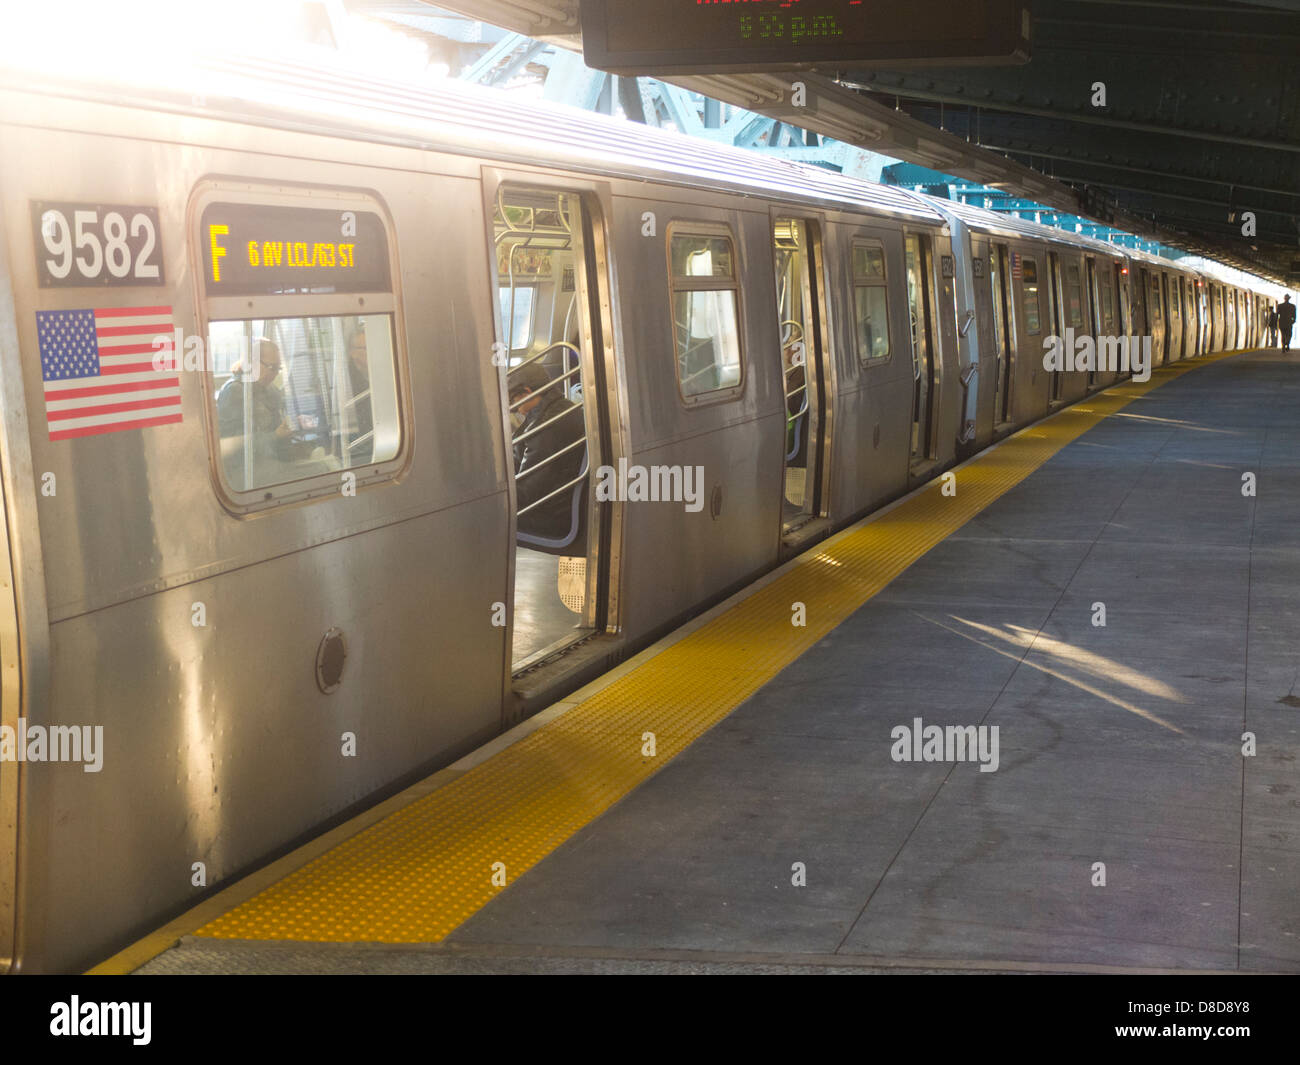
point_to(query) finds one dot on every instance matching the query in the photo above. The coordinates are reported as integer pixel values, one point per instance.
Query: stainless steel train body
(263, 659)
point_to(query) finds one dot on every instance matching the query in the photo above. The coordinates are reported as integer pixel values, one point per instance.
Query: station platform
(772, 826)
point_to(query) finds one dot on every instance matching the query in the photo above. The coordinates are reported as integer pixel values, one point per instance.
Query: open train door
(801, 310)
(555, 339)
(1056, 296)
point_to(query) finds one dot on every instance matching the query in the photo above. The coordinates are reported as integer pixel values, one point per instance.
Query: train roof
(466, 119)
(996, 223)
(329, 97)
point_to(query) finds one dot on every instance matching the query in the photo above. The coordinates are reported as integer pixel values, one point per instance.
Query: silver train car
(270, 552)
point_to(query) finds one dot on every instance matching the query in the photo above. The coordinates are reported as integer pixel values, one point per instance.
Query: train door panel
(1055, 315)
(801, 309)
(1216, 316)
(1155, 316)
(1028, 274)
(1106, 315)
(925, 348)
(1174, 309)
(1178, 309)
(550, 287)
(1094, 318)
(1168, 314)
(1203, 330)
(1138, 288)
(1074, 314)
(986, 334)
(1005, 332)
(1124, 300)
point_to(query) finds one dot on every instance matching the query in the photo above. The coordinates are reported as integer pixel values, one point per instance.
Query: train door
(1094, 301)
(1167, 348)
(1203, 318)
(1174, 307)
(550, 288)
(1179, 297)
(1155, 318)
(797, 247)
(1055, 298)
(920, 302)
(1142, 303)
(1123, 286)
(1004, 333)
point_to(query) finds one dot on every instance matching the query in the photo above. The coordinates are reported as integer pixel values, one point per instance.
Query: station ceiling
(1200, 122)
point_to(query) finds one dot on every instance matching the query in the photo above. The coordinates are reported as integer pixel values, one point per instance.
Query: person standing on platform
(1285, 321)
(1271, 324)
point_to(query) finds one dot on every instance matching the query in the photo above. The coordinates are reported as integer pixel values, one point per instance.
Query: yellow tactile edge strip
(428, 865)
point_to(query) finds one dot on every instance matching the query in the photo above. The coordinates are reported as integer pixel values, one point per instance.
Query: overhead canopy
(1199, 123)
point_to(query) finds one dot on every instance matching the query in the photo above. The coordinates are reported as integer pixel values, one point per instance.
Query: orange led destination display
(708, 36)
(259, 250)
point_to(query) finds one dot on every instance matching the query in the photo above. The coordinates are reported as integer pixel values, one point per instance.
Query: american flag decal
(98, 368)
(1015, 265)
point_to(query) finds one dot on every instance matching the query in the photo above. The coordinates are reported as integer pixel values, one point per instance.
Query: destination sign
(708, 36)
(260, 250)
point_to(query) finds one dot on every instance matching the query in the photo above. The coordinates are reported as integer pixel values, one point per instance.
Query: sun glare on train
(153, 41)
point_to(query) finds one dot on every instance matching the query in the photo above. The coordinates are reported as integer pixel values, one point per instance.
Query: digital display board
(713, 36)
(259, 250)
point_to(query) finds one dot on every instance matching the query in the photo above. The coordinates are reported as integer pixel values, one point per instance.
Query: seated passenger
(250, 418)
(553, 519)
(305, 405)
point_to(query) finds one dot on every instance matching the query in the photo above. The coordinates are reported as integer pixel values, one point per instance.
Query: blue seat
(574, 542)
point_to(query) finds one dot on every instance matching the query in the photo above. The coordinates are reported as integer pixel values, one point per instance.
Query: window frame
(708, 230)
(209, 309)
(1072, 279)
(876, 243)
(1037, 286)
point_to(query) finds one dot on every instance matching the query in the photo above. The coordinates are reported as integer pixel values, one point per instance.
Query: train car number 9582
(80, 244)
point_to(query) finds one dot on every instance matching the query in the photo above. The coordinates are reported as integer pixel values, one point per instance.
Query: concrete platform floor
(1119, 745)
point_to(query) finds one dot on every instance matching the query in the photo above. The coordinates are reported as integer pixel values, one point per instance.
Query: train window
(1155, 298)
(1107, 304)
(517, 313)
(1029, 272)
(870, 301)
(1074, 295)
(706, 311)
(297, 397)
(301, 318)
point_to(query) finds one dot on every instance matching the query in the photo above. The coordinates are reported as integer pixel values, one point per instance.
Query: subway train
(281, 352)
